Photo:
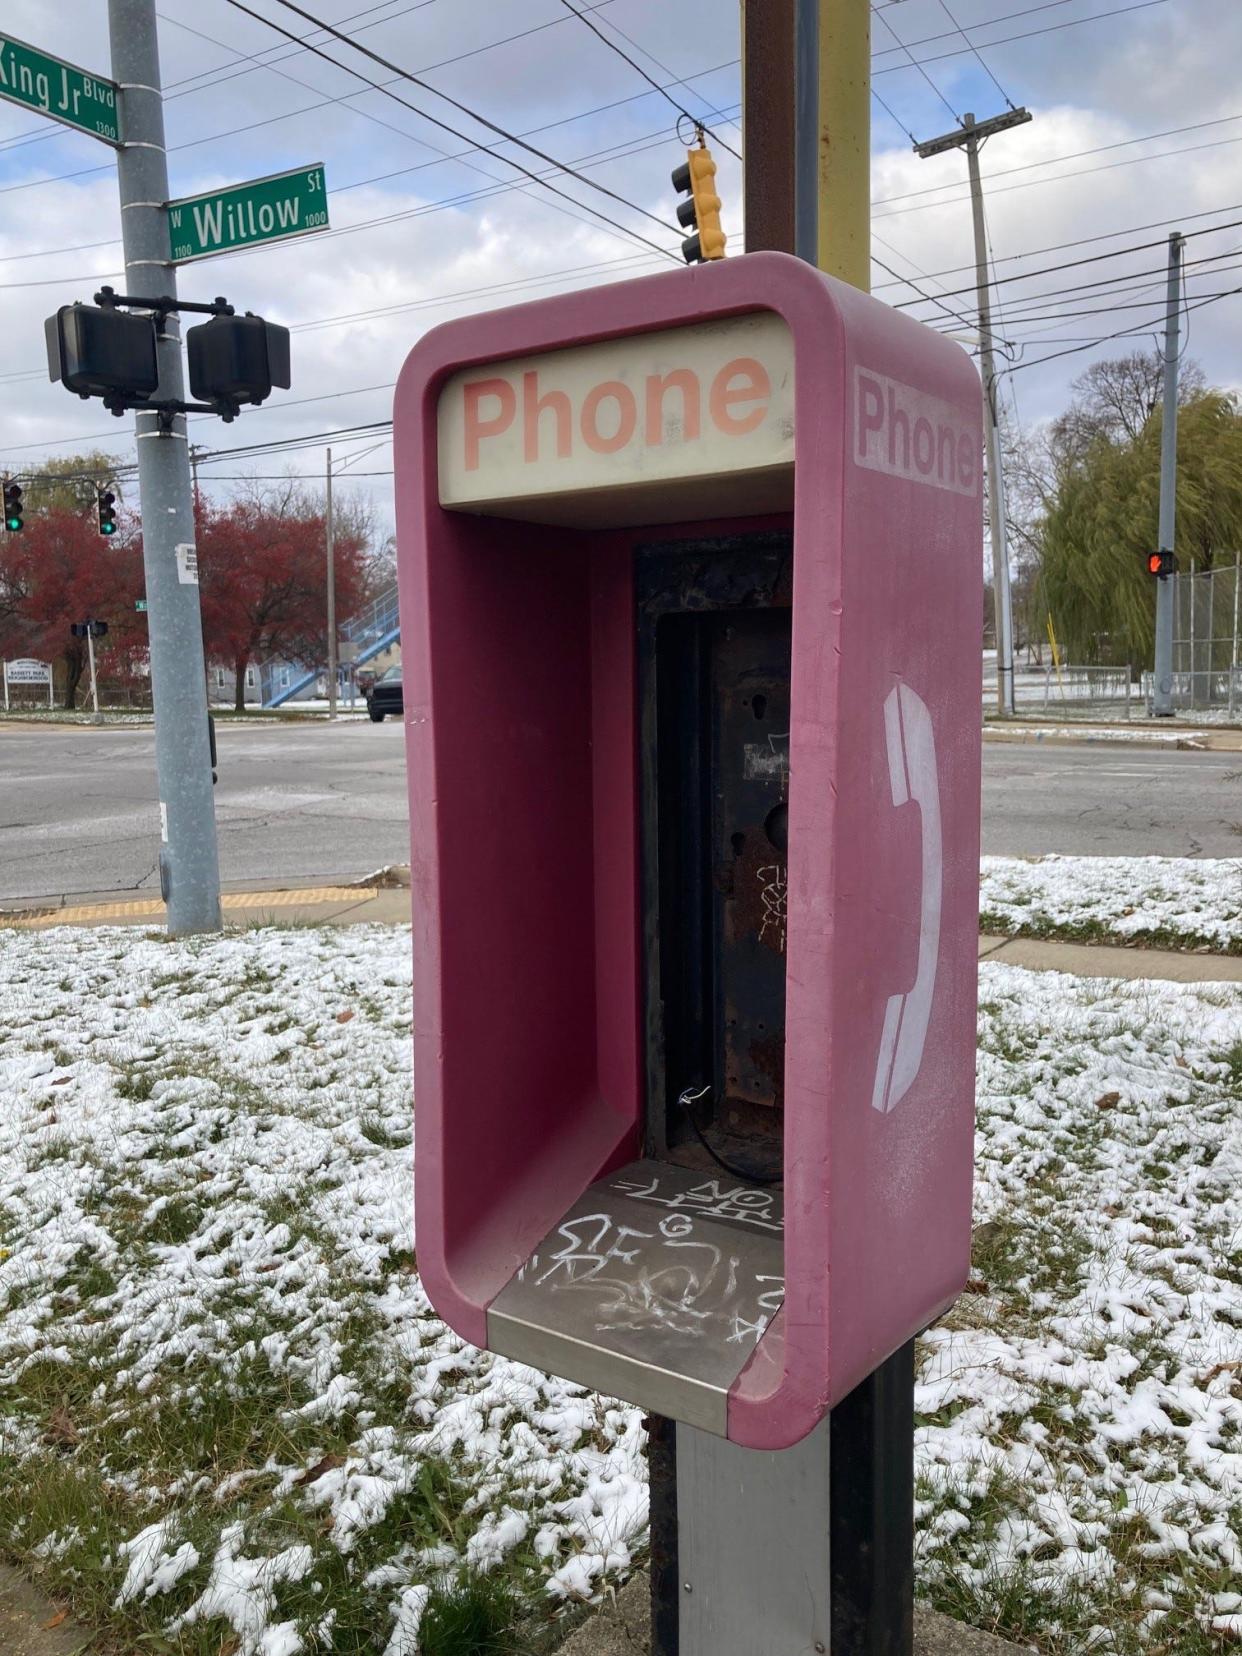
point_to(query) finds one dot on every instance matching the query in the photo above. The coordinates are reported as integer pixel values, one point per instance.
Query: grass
(998, 924)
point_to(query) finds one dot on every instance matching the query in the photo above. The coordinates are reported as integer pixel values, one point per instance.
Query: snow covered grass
(1160, 902)
(230, 1421)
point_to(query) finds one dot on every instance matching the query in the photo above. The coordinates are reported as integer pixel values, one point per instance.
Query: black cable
(944, 8)
(650, 79)
(914, 63)
(455, 103)
(685, 1099)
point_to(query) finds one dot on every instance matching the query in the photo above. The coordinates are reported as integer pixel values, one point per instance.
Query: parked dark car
(384, 696)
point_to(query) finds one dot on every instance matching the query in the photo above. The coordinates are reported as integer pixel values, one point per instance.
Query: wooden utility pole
(969, 136)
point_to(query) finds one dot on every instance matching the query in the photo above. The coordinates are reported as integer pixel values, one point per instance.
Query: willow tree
(1103, 515)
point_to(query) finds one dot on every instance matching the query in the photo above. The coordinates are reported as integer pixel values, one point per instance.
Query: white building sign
(27, 672)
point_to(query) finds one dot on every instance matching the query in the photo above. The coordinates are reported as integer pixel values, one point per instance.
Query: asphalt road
(313, 802)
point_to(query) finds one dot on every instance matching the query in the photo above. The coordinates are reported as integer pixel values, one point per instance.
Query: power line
(1122, 333)
(455, 103)
(945, 9)
(876, 12)
(650, 79)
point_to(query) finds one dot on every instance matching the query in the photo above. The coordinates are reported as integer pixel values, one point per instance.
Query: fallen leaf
(62, 1080)
(343, 1017)
(55, 1621)
(1109, 1101)
(1181, 1062)
(60, 1428)
(1112, 1210)
(976, 1285)
(329, 1463)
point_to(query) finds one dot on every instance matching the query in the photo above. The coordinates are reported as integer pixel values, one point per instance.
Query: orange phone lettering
(609, 391)
(533, 407)
(754, 387)
(478, 428)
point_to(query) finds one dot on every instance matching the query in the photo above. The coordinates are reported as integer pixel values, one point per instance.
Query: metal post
(189, 860)
(331, 595)
(90, 654)
(1162, 705)
(997, 525)
(844, 248)
(806, 130)
(1233, 659)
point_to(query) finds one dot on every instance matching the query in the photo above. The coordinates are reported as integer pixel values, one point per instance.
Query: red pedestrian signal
(1161, 564)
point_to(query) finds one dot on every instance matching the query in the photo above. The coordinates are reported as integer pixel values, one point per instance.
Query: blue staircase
(372, 630)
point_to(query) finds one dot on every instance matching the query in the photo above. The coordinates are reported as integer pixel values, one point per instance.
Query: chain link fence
(1207, 613)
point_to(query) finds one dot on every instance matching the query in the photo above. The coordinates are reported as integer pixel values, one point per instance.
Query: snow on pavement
(208, 1256)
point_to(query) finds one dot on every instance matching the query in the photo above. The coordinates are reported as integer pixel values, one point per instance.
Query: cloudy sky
(1138, 122)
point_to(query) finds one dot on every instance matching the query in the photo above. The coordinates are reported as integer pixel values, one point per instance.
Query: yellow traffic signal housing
(697, 177)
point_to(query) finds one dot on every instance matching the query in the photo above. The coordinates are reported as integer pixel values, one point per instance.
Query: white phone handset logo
(912, 775)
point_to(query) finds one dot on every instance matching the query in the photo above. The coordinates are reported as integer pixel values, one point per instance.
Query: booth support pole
(843, 242)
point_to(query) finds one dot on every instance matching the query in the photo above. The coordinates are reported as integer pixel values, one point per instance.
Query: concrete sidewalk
(388, 903)
(623, 1628)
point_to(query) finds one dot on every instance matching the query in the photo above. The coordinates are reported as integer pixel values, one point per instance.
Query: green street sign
(53, 87)
(265, 209)
(140, 605)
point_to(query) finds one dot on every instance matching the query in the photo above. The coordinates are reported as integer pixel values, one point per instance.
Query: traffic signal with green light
(13, 507)
(107, 512)
(696, 178)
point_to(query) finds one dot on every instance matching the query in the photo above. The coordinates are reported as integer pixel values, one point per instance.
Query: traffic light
(99, 351)
(13, 507)
(1161, 564)
(237, 359)
(107, 512)
(696, 177)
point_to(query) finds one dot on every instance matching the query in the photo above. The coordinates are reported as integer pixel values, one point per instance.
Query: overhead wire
(877, 12)
(650, 79)
(455, 103)
(979, 56)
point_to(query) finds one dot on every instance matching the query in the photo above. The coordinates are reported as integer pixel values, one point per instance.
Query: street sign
(59, 89)
(265, 209)
(141, 606)
(27, 672)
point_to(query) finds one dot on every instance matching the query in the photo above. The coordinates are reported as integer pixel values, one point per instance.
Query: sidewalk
(1137, 733)
(346, 904)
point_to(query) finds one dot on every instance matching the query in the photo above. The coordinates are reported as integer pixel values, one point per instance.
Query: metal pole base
(787, 1552)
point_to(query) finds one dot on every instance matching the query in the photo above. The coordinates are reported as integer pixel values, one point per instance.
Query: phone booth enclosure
(530, 490)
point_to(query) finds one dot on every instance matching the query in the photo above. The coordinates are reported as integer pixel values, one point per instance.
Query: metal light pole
(968, 137)
(90, 654)
(189, 860)
(1162, 695)
(331, 539)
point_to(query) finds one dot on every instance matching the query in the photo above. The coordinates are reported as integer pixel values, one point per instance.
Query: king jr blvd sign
(265, 209)
(59, 89)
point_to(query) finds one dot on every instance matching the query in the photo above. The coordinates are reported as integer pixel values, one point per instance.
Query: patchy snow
(1144, 733)
(1170, 900)
(207, 1227)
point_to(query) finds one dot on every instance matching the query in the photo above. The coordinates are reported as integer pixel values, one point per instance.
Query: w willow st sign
(61, 90)
(266, 209)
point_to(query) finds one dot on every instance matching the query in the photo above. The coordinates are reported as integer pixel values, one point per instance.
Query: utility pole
(969, 136)
(189, 860)
(331, 538)
(1162, 697)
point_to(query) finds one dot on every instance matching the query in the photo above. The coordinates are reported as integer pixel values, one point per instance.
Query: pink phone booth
(690, 576)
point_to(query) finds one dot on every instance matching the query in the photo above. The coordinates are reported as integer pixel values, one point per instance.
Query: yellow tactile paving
(97, 914)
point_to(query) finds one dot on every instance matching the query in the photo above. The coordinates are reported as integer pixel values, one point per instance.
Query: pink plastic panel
(520, 740)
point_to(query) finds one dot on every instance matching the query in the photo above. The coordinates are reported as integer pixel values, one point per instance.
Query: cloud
(418, 236)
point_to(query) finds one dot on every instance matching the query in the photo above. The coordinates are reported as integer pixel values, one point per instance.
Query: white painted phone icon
(912, 775)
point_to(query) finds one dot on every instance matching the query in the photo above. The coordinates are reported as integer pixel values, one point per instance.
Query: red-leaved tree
(263, 572)
(59, 569)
